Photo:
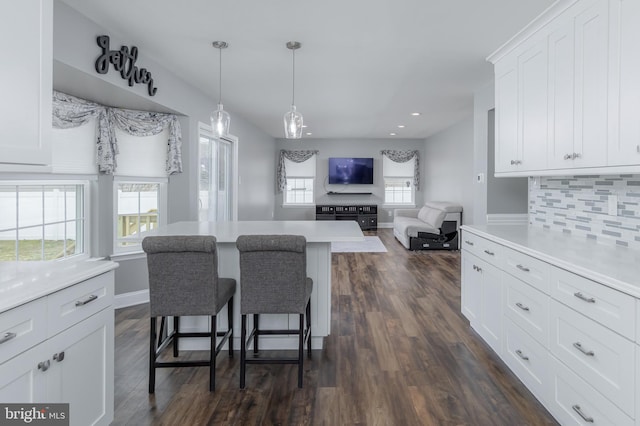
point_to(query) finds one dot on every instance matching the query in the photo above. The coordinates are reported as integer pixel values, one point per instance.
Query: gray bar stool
(183, 281)
(273, 280)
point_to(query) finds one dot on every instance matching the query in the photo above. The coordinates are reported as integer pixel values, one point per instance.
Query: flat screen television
(351, 170)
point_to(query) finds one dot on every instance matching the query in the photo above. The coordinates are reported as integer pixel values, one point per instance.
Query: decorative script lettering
(123, 61)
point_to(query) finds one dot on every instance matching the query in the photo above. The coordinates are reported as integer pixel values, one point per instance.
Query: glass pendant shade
(220, 121)
(293, 124)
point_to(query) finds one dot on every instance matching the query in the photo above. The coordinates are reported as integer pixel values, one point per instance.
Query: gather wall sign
(123, 61)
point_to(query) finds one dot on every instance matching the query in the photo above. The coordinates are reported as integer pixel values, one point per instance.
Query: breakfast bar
(319, 235)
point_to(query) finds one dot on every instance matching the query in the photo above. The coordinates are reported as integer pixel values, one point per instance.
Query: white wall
(448, 167)
(483, 101)
(344, 148)
(75, 51)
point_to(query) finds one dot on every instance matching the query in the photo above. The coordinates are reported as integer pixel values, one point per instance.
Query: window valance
(403, 157)
(70, 111)
(295, 156)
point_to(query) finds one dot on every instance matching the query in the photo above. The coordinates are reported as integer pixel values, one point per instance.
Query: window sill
(398, 206)
(298, 206)
(130, 255)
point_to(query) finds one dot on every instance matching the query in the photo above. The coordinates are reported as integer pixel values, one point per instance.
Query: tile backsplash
(580, 205)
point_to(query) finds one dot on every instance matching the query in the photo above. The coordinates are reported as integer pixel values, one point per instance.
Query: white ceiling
(364, 65)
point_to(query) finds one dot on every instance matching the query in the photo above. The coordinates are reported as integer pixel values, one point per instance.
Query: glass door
(215, 191)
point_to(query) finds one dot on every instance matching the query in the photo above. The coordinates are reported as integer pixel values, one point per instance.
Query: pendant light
(293, 119)
(220, 118)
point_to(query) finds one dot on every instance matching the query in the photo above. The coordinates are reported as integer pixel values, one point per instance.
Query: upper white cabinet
(624, 83)
(568, 91)
(26, 40)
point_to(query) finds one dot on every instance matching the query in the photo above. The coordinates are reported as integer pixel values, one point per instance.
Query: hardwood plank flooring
(400, 353)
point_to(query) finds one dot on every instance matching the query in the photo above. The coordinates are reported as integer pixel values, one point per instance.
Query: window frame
(162, 210)
(412, 203)
(289, 176)
(87, 218)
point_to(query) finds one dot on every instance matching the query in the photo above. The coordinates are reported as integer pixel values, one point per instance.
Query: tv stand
(348, 193)
(366, 215)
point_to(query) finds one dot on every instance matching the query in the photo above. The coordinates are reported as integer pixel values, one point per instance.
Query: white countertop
(614, 266)
(22, 282)
(321, 231)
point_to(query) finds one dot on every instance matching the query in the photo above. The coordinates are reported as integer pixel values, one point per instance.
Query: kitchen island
(319, 235)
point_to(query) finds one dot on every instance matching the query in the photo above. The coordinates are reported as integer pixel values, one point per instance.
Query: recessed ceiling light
(400, 126)
(304, 126)
(392, 134)
(308, 133)
(415, 114)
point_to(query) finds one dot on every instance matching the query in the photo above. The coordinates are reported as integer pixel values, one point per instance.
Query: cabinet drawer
(73, 304)
(530, 270)
(22, 328)
(528, 359)
(527, 307)
(601, 357)
(575, 402)
(609, 307)
(483, 248)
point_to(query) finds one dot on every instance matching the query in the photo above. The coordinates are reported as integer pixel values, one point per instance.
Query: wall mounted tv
(351, 170)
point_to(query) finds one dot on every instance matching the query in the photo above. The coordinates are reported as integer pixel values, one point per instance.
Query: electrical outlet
(480, 178)
(613, 205)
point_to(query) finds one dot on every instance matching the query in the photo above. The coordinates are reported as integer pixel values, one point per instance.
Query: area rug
(369, 245)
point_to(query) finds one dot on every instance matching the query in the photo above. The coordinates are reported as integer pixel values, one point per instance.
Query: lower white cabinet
(572, 341)
(74, 363)
(483, 299)
(575, 402)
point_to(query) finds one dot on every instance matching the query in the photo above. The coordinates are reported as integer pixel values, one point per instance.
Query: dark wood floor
(400, 353)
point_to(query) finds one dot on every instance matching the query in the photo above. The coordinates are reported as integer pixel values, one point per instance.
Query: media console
(366, 215)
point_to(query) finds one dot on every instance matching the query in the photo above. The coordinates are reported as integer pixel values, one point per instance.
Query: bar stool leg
(309, 328)
(212, 360)
(300, 350)
(256, 327)
(230, 325)
(243, 350)
(176, 330)
(152, 355)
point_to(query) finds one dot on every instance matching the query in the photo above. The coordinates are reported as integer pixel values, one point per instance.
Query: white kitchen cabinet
(624, 82)
(81, 360)
(471, 289)
(506, 116)
(61, 345)
(26, 41)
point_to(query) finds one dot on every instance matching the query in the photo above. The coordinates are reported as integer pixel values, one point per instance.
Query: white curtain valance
(295, 156)
(70, 111)
(403, 157)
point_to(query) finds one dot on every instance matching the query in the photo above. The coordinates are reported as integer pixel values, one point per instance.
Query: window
(139, 207)
(43, 221)
(215, 181)
(398, 182)
(300, 182)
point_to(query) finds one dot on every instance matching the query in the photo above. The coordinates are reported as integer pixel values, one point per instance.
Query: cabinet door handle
(521, 355)
(583, 297)
(579, 347)
(513, 162)
(577, 409)
(576, 155)
(468, 242)
(87, 300)
(44, 365)
(568, 157)
(59, 356)
(490, 253)
(521, 306)
(523, 268)
(7, 336)
(477, 268)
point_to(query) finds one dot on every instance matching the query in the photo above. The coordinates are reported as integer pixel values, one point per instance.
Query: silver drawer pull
(44, 365)
(477, 268)
(523, 268)
(577, 409)
(579, 347)
(468, 242)
(87, 300)
(521, 355)
(583, 297)
(490, 253)
(7, 336)
(521, 306)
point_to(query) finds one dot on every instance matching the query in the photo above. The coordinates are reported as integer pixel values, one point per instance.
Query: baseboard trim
(507, 219)
(132, 298)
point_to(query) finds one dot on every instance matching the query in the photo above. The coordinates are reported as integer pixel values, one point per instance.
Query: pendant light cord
(293, 80)
(220, 78)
